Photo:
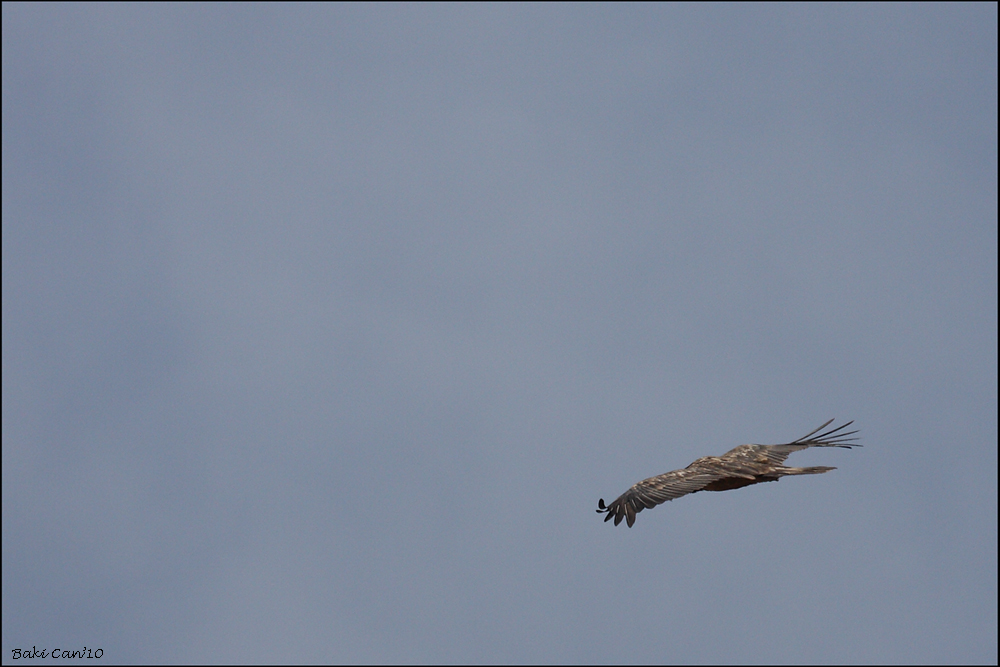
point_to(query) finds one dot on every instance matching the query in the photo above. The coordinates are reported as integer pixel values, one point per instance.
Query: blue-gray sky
(326, 326)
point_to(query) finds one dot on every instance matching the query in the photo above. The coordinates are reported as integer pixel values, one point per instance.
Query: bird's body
(739, 467)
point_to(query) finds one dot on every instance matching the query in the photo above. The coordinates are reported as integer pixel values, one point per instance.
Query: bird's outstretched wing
(651, 492)
(776, 454)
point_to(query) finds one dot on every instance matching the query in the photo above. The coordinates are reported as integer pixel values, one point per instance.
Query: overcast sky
(326, 326)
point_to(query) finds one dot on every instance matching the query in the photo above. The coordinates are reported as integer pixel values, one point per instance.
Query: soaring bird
(739, 467)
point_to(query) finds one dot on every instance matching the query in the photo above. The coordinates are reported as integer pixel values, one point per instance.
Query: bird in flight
(739, 467)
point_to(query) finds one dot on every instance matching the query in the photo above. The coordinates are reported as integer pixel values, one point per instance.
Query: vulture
(739, 467)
